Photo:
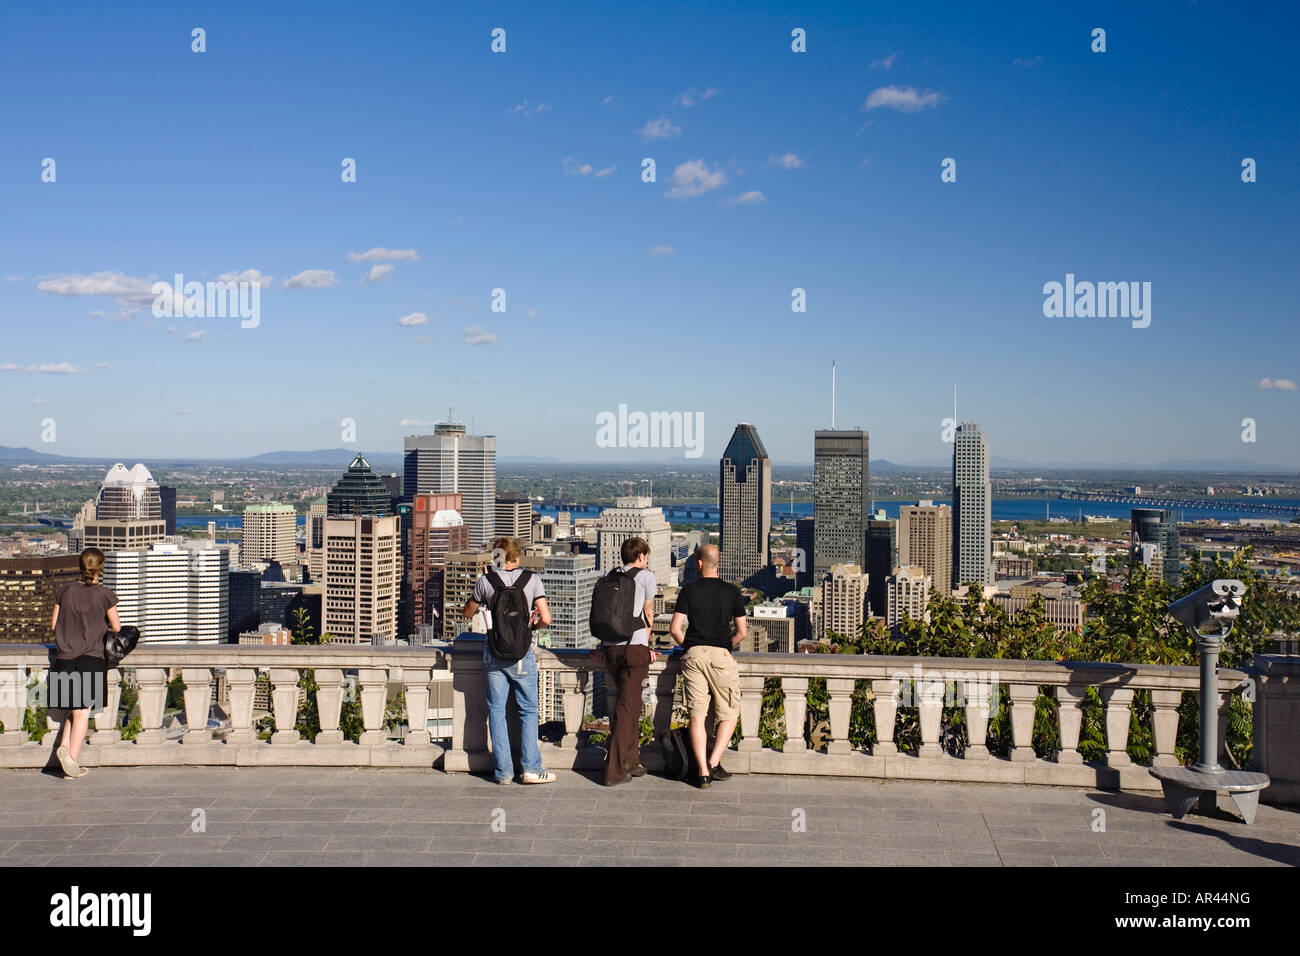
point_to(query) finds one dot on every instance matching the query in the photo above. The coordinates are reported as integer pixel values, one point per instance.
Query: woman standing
(82, 611)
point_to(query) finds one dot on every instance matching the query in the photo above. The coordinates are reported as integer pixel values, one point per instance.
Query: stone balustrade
(927, 684)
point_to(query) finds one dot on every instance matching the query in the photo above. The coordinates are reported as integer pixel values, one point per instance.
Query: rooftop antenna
(832, 396)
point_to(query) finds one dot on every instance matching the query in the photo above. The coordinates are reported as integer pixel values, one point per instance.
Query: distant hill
(27, 455)
(323, 457)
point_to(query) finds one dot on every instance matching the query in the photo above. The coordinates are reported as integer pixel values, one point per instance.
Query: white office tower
(270, 534)
(925, 539)
(362, 576)
(451, 462)
(843, 601)
(972, 508)
(908, 595)
(174, 595)
(569, 580)
(634, 517)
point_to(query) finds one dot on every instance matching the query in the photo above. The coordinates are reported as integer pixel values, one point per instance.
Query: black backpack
(511, 635)
(614, 613)
(679, 758)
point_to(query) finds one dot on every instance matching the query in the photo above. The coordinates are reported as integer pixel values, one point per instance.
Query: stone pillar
(153, 701)
(416, 682)
(1164, 719)
(1275, 716)
(198, 699)
(664, 679)
(840, 692)
(751, 712)
(885, 706)
(980, 696)
(1118, 720)
(329, 704)
(241, 682)
(469, 732)
(796, 710)
(374, 687)
(929, 689)
(1023, 698)
(284, 703)
(107, 731)
(13, 705)
(1070, 698)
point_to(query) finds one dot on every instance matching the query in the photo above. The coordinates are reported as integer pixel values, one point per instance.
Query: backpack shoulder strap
(497, 584)
(524, 577)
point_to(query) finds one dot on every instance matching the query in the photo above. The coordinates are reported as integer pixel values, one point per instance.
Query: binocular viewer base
(1184, 787)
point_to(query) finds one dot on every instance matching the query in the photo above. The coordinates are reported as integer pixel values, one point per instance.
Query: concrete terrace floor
(379, 817)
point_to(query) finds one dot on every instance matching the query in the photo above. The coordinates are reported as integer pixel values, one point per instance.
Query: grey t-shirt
(645, 591)
(79, 631)
(484, 592)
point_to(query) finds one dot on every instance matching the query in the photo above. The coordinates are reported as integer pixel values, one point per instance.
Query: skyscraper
(270, 534)
(128, 511)
(362, 574)
(744, 508)
(635, 517)
(925, 539)
(451, 462)
(359, 492)
(514, 518)
(804, 540)
(174, 595)
(841, 501)
(843, 600)
(437, 530)
(972, 507)
(167, 499)
(314, 539)
(27, 589)
(882, 558)
(1158, 526)
(908, 595)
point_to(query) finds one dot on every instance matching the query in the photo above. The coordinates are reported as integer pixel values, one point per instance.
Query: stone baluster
(1118, 720)
(416, 682)
(929, 690)
(980, 695)
(153, 702)
(751, 712)
(329, 704)
(1070, 699)
(885, 707)
(241, 682)
(1164, 720)
(284, 704)
(374, 689)
(1023, 700)
(840, 692)
(107, 731)
(796, 711)
(13, 705)
(198, 700)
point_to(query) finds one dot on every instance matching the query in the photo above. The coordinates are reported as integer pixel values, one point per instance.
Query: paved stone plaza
(338, 816)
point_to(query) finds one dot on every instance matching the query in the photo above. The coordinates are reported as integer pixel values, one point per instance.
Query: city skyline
(1060, 176)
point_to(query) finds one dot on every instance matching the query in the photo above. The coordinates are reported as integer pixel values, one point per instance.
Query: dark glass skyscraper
(1158, 526)
(745, 508)
(359, 492)
(167, 495)
(841, 500)
(882, 558)
(803, 540)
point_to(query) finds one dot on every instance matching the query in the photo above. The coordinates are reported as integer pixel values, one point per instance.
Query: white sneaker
(67, 763)
(543, 777)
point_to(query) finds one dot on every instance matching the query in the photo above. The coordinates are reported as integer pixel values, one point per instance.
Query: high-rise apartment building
(514, 518)
(437, 530)
(744, 508)
(843, 600)
(635, 517)
(174, 595)
(1158, 526)
(882, 559)
(359, 492)
(925, 540)
(461, 572)
(908, 595)
(841, 499)
(569, 580)
(362, 574)
(27, 589)
(270, 534)
(972, 508)
(128, 512)
(452, 462)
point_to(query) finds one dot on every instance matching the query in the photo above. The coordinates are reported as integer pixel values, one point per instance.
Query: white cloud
(608, 102)
(866, 161)
(59, 368)
(660, 128)
(121, 315)
(415, 318)
(127, 290)
(311, 279)
(101, 365)
(171, 329)
(905, 99)
(692, 96)
(602, 173)
(415, 423)
(573, 168)
(196, 336)
(884, 63)
(477, 335)
(378, 273)
(693, 178)
(1281, 384)
(38, 401)
(787, 161)
(380, 254)
(249, 276)
(1027, 63)
(662, 251)
(530, 109)
(746, 199)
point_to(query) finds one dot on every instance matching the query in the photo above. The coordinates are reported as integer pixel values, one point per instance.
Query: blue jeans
(501, 677)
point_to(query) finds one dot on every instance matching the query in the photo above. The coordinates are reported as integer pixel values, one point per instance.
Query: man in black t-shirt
(709, 622)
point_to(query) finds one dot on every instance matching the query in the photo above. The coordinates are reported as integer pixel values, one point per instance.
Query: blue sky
(775, 170)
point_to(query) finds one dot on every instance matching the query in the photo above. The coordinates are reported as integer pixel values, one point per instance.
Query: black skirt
(77, 684)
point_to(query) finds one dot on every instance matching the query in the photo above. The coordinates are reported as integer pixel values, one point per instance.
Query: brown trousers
(628, 666)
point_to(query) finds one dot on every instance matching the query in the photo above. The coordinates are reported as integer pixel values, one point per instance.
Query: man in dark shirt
(709, 622)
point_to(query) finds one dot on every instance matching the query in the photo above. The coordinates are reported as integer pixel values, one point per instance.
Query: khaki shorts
(711, 671)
